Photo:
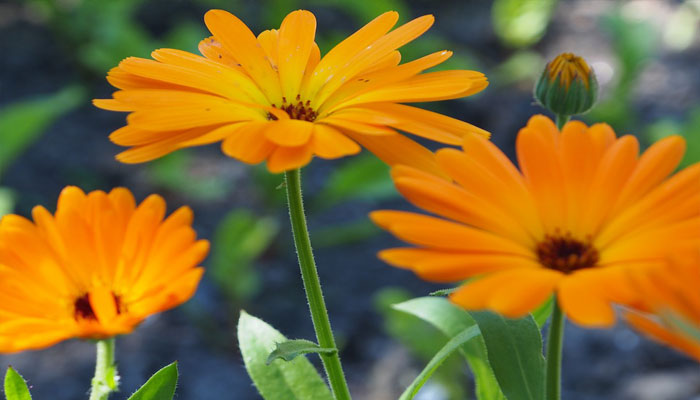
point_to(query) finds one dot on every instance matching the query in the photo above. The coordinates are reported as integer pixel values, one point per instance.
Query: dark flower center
(298, 110)
(566, 254)
(83, 308)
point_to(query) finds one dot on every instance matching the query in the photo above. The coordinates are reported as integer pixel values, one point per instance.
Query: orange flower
(584, 210)
(671, 293)
(274, 98)
(95, 269)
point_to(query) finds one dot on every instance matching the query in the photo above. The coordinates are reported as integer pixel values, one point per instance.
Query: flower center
(566, 254)
(296, 110)
(83, 308)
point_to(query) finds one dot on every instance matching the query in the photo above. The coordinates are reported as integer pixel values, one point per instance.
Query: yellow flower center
(566, 254)
(297, 110)
(569, 67)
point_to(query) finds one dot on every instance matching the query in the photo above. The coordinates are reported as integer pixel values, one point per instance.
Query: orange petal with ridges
(287, 158)
(289, 132)
(296, 41)
(248, 143)
(237, 38)
(328, 142)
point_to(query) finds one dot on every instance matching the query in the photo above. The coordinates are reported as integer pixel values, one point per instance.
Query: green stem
(105, 380)
(561, 120)
(555, 340)
(312, 285)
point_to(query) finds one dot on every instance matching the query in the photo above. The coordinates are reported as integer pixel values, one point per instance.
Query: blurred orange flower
(95, 269)
(274, 98)
(584, 210)
(670, 302)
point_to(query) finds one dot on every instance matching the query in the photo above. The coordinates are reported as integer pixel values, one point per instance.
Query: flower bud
(567, 86)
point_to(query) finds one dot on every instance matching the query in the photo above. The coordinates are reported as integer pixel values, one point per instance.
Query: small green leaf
(290, 349)
(542, 313)
(161, 386)
(442, 292)
(15, 386)
(281, 380)
(514, 348)
(452, 345)
(452, 320)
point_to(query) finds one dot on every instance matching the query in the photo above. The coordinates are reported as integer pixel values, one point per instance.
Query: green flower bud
(567, 86)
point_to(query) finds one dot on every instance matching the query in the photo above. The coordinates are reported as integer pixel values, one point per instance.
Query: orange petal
(289, 132)
(235, 36)
(296, 40)
(288, 158)
(329, 143)
(397, 149)
(248, 143)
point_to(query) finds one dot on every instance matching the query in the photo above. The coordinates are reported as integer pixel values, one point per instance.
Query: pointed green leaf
(542, 313)
(161, 386)
(442, 292)
(514, 348)
(290, 349)
(453, 344)
(15, 386)
(452, 320)
(281, 380)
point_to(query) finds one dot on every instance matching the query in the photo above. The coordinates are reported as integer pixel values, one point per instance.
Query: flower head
(669, 302)
(568, 86)
(582, 211)
(273, 98)
(95, 269)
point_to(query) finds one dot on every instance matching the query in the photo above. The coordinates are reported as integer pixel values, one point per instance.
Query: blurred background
(55, 55)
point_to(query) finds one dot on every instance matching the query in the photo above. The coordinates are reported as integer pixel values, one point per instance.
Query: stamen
(301, 110)
(566, 254)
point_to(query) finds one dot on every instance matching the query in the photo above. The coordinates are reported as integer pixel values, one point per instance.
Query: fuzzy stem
(105, 380)
(312, 285)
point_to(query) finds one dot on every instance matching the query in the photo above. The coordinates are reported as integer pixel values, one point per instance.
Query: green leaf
(24, 122)
(161, 386)
(281, 380)
(442, 292)
(542, 313)
(452, 320)
(290, 349)
(15, 386)
(514, 348)
(423, 341)
(452, 345)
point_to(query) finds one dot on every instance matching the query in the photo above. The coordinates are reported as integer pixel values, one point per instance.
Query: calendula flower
(583, 211)
(273, 98)
(670, 302)
(95, 269)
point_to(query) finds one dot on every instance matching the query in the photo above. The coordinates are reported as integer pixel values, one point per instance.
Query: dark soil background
(42, 55)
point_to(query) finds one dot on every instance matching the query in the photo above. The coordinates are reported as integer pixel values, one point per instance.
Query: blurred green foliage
(520, 23)
(635, 43)
(240, 238)
(22, 123)
(690, 130)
